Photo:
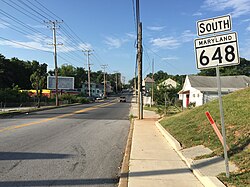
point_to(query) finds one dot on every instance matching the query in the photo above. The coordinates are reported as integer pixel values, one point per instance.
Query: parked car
(122, 99)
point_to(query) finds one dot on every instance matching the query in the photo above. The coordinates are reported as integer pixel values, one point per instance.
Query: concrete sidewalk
(153, 161)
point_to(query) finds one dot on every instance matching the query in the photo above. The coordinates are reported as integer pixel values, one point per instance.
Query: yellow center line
(57, 117)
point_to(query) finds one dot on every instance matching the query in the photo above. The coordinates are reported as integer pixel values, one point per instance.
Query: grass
(160, 109)
(192, 128)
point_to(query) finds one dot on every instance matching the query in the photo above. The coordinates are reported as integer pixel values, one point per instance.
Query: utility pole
(54, 23)
(116, 81)
(104, 66)
(135, 82)
(88, 64)
(152, 97)
(139, 62)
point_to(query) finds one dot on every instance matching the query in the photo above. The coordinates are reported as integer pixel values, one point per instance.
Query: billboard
(64, 83)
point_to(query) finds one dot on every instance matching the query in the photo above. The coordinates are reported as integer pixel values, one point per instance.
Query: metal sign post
(222, 120)
(217, 51)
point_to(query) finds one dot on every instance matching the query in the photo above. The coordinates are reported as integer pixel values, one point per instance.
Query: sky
(108, 28)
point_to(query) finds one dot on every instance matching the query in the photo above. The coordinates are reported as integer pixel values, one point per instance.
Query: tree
(242, 69)
(165, 91)
(38, 79)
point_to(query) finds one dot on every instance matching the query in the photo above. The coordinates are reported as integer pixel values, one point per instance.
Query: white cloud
(114, 42)
(245, 49)
(173, 42)
(169, 58)
(248, 28)
(131, 35)
(187, 36)
(197, 14)
(4, 25)
(25, 45)
(166, 42)
(237, 7)
(155, 28)
(85, 46)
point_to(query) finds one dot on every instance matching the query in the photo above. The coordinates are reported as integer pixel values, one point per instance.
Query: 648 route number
(217, 51)
(229, 55)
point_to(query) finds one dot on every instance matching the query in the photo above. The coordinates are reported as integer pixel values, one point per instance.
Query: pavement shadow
(155, 172)
(208, 162)
(62, 182)
(31, 156)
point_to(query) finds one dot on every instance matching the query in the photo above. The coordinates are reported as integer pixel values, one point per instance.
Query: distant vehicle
(91, 98)
(122, 99)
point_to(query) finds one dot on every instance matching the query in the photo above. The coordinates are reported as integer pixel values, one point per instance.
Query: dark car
(122, 99)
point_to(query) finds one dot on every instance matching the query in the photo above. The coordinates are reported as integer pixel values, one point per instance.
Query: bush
(82, 100)
(9, 95)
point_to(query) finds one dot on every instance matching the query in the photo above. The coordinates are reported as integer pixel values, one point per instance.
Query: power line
(21, 23)
(24, 45)
(39, 21)
(40, 9)
(47, 9)
(44, 17)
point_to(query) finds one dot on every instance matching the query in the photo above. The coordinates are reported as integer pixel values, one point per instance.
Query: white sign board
(219, 50)
(64, 83)
(214, 25)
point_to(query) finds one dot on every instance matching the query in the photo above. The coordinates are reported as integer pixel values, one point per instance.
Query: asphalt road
(73, 146)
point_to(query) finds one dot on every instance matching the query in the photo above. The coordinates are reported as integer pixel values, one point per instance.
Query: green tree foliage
(17, 72)
(165, 92)
(242, 69)
(38, 79)
(12, 95)
(70, 71)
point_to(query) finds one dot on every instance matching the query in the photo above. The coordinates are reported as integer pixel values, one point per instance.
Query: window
(193, 95)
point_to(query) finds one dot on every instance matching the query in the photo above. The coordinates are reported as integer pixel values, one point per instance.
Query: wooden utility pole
(116, 81)
(152, 97)
(135, 87)
(88, 64)
(139, 62)
(54, 23)
(104, 66)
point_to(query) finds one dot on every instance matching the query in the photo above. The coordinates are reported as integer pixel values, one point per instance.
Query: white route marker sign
(214, 25)
(219, 50)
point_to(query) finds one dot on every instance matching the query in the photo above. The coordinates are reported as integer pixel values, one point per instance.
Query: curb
(123, 180)
(207, 181)
(13, 113)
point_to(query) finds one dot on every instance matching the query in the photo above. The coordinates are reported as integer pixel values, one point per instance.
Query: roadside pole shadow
(155, 172)
(32, 156)
(62, 182)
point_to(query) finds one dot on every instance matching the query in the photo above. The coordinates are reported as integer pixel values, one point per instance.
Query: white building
(169, 82)
(201, 89)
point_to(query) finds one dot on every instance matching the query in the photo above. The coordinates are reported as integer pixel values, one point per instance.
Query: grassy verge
(160, 109)
(192, 128)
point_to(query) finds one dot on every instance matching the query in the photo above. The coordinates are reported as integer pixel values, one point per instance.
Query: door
(187, 100)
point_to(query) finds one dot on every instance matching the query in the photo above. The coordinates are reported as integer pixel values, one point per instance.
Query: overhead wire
(21, 23)
(37, 11)
(160, 57)
(39, 21)
(24, 45)
(44, 17)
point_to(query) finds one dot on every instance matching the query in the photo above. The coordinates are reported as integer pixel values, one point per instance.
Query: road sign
(219, 50)
(214, 25)
(64, 83)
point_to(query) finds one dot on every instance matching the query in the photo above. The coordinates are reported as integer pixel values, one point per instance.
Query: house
(147, 84)
(95, 89)
(169, 82)
(202, 89)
